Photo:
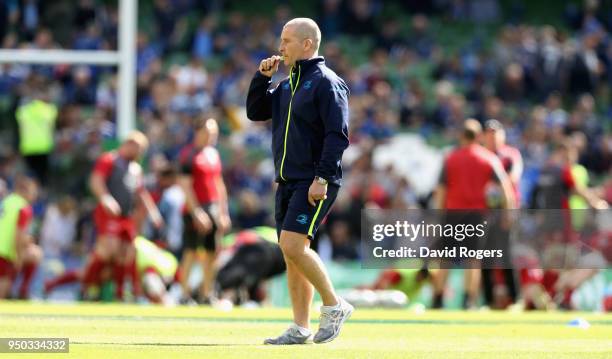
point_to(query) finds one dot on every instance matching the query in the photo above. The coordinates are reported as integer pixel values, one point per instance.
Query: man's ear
(307, 44)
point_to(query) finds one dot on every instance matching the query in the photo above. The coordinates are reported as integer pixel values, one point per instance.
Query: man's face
(165, 181)
(569, 156)
(494, 139)
(490, 139)
(201, 137)
(31, 191)
(291, 46)
(132, 150)
(213, 132)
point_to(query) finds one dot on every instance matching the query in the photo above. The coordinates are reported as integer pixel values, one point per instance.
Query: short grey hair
(307, 28)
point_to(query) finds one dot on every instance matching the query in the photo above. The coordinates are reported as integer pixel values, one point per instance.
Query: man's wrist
(263, 75)
(106, 197)
(320, 180)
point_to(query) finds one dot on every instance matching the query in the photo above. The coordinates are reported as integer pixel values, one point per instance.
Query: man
(170, 200)
(309, 112)
(117, 183)
(511, 159)
(156, 269)
(394, 287)
(36, 121)
(253, 257)
(18, 252)
(554, 187)
(556, 183)
(207, 215)
(465, 175)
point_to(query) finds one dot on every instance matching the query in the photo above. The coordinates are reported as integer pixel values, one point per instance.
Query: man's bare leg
(207, 260)
(439, 283)
(472, 285)
(296, 248)
(186, 265)
(301, 292)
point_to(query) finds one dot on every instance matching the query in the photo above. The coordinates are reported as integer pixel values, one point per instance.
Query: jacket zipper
(293, 89)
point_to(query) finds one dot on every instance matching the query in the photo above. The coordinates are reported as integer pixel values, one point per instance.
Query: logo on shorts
(302, 219)
(307, 84)
(286, 86)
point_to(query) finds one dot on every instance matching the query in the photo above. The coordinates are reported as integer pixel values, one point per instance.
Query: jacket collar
(307, 63)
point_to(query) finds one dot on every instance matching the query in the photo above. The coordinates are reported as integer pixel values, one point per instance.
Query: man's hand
(201, 220)
(158, 222)
(110, 205)
(316, 192)
(599, 203)
(269, 66)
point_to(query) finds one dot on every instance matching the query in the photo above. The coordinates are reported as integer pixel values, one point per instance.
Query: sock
(119, 278)
(302, 330)
(331, 307)
(28, 271)
(66, 278)
(132, 271)
(438, 301)
(567, 299)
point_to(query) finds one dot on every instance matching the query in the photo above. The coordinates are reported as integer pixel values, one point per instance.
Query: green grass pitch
(132, 331)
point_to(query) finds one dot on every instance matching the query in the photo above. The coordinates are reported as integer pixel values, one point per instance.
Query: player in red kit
(19, 255)
(465, 175)
(206, 215)
(494, 140)
(117, 183)
(510, 157)
(552, 191)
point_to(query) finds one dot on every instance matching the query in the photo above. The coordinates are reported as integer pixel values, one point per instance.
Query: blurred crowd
(196, 59)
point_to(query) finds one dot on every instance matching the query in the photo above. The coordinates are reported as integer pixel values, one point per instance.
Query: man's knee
(293, 244)
(33, 254)
(188, 255)
(106, 247)
(127, 251)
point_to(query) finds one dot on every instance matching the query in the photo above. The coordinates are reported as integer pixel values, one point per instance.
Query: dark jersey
(123, 179)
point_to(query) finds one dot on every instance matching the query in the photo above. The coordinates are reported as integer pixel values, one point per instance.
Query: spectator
(58, 231)
(36, 120)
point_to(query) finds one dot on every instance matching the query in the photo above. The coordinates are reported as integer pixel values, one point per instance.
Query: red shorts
(531, 276)
(545, 277)
(116, 226)
(7, 269)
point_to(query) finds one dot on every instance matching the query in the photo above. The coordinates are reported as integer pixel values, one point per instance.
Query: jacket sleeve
(259, 98)
(334, 111)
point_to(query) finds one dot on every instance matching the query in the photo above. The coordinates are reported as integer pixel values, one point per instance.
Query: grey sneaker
(291, 336)
(331, 322)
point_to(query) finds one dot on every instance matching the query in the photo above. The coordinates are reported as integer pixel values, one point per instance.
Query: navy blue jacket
(309, 120)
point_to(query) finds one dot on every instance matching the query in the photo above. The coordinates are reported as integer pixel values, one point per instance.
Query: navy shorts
(294, 213)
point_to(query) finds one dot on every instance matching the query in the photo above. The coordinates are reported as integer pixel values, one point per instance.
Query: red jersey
(510, 158)
(25, 217)
(123, 179)
(204, 166)
(467, 171)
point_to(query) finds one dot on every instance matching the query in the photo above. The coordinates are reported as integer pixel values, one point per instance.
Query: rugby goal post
(125, 58)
